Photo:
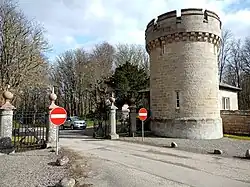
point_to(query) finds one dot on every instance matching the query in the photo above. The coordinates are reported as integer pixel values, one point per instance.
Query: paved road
(124, 164)
(68, 133)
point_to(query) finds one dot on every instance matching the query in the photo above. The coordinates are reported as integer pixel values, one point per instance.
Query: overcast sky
(74, 23)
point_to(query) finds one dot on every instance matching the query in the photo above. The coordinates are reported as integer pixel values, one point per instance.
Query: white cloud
(117, 20)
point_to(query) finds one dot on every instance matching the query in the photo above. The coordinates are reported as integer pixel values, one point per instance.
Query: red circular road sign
(143, 113)
(58, 116)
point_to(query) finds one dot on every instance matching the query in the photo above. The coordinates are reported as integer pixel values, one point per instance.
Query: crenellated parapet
(193, 25)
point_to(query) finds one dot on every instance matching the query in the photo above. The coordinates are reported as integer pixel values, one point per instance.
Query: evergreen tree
(127, 80)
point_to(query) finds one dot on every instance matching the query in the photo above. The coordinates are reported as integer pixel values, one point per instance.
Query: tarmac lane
(125, 164)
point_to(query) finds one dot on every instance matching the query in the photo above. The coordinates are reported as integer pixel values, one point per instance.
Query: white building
(228, 96)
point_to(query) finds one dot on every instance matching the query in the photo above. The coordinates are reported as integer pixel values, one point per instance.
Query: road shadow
(89, 131)
(26, 155)
(71, 137)
(94, 140)
(211, 153)
(84, 135)
(71, 132)
(242, 158)
(52, 164)
(75, 134)
(167, 146)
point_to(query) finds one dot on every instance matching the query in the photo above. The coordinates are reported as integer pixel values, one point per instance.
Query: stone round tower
(184, 82)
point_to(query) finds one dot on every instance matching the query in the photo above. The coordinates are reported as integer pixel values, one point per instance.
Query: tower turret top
(191, 20)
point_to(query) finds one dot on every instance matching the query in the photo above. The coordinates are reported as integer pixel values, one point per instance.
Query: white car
(74, 123)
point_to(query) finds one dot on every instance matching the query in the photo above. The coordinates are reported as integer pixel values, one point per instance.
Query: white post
(133, 116)
(112, 116)
(57, 139)
(113, 119)
(142, 129)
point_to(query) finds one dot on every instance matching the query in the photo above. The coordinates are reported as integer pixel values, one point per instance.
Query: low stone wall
(236, 122)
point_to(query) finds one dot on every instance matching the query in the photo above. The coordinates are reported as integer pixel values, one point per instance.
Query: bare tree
(246, 56)
(234, 66)
(65, 79)
(102, 57)
(80, 77)
(224, 52)
(244, 95)
(22, 48)
(134, 54)
(33, 94)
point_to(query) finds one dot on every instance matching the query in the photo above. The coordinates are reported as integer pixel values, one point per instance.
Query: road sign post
(57, 140)
(142, 130)
(143, 116)
(58, 117)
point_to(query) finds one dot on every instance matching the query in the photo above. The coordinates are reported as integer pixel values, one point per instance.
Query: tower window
(162, 49)
(177, 99)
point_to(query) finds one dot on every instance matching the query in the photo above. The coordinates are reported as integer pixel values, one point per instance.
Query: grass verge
(27, 139)
(237, 137)
(90, 123)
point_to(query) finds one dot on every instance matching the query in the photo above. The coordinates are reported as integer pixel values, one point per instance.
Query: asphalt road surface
(124, 164)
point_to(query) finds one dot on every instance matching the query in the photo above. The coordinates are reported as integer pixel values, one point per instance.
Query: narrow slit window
(163, 49)
(177, 99)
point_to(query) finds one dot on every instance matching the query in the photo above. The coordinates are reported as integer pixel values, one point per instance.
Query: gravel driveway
(30, 169)
(230, 147)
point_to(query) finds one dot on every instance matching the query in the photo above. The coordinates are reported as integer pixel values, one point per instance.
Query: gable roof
(224, 86)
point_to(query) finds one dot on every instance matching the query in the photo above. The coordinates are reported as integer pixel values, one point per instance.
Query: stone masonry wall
(236, 122)
(183, 58)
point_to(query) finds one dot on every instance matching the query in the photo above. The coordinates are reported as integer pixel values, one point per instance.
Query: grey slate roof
(228, 87)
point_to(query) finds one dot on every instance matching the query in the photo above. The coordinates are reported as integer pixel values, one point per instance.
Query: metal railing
(30, 130)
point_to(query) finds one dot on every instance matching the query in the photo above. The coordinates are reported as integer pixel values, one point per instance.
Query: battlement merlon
(191, 20)
(184, 12)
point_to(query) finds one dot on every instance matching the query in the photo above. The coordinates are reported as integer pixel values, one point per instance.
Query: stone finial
(107, 102)
(52, 98)
(125, 108)
(8, 96)
(132, 101)
(112, 98)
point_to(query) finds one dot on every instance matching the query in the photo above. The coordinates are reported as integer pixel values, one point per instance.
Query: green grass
(28, 139)
(237, 137)
(90, 123)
